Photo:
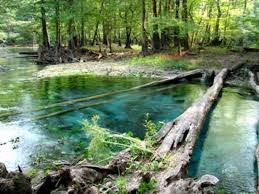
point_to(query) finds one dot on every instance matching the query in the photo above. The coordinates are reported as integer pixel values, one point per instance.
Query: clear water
(62, 137)
(226, 147)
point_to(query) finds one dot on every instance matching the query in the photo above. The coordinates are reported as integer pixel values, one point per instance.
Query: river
(226, 147)
(28, 143)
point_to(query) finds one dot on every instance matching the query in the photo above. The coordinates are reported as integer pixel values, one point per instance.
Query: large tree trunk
(185, 19)
(144, 33)
(128, 39)
(206, 37)
(82, 36)
(155, 38)
(177, 42)
(57, 22)
(216, 40)
(97, 24)
(45, 36)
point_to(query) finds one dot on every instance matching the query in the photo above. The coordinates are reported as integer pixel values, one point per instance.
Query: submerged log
(186, 75)
(28, 53)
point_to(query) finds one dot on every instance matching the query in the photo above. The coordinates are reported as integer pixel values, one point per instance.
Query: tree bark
(128, 39)
(216, 40)
(155, 38)
(144, 33)
(185, 19)
(177, 42)
(45, 36)
(57, 22)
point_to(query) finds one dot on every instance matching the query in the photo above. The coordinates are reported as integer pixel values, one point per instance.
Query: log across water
(186, 127)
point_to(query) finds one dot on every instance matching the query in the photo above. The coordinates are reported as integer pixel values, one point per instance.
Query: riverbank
(103, 68)
(161, 65)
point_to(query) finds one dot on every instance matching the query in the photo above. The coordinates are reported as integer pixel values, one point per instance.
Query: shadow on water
(199, 147)
(226, 145)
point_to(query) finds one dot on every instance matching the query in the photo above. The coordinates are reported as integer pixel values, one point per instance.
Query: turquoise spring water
(227, 143)
(226, 147)
(62, 136)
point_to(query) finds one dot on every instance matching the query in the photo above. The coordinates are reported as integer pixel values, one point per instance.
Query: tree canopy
(154, 24)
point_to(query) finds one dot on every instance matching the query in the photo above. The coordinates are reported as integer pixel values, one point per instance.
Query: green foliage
(20, 21)
(121, 183)
(221, 191)
(151, 130)
(147, 187)
(105, 142)
(32, 172)
(158, 61)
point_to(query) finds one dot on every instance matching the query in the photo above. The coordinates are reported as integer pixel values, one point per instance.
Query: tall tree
(57, 24)
(177, 42)
(155, 38)
(185, 19)
(45, 36)
(143, 28)
(216, 40)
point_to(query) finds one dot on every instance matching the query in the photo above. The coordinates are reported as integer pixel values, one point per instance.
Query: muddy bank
(102, 68)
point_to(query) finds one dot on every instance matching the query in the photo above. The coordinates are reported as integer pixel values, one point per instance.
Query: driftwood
(186, 75)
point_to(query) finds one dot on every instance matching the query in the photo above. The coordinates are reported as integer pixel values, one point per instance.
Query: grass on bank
(158, 61)
(169, 60)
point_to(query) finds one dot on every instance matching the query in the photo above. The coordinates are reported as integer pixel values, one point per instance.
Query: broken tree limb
(252, 81)
(80, 177)
(174, 79)
(186, 127)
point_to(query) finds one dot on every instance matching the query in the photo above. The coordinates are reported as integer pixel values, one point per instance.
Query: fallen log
(174, 79)
(186, 127)
(252, 82)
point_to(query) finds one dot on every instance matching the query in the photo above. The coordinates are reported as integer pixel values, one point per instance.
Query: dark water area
(22, 141)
